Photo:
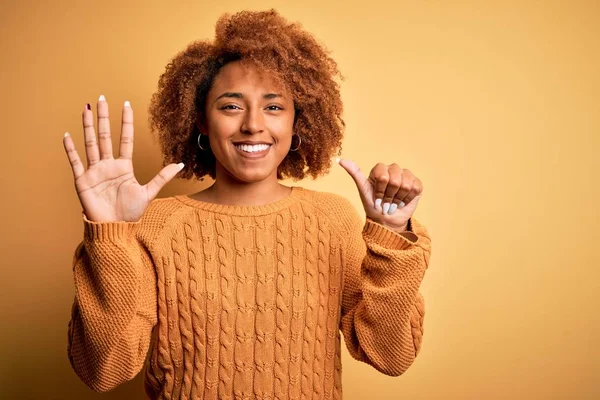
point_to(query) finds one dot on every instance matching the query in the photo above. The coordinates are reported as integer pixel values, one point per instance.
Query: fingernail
(101, 98)
(402, 204)
(180, 165)
(87, 106)
(127, 104)
(337, 160)
(393, 208)
(66, 134)
(377, 203)
(386, 207)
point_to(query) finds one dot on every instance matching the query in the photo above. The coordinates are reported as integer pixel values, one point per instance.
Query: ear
(297, 113)
(201, 126)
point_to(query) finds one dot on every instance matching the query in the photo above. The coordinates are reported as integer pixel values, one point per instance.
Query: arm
(382, 308)
(114, 309)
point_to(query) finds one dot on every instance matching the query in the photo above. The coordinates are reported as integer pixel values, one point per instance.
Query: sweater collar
(262, 209)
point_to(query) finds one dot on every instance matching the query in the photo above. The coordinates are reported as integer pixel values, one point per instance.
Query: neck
(227, 190)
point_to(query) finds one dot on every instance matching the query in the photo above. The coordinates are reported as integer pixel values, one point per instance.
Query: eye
(274, 108)
(230, 107)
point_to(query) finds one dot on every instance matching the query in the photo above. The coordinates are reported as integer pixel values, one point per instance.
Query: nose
(253, 121)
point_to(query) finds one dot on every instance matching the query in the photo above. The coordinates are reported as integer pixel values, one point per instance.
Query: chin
(251, 176)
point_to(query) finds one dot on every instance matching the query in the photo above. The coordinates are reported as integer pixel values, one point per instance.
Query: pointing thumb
(354, 171)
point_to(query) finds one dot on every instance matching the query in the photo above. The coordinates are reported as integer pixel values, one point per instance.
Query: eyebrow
(237, 95)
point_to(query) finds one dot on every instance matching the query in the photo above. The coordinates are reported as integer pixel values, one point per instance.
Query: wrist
(402, 229)
(406, 227)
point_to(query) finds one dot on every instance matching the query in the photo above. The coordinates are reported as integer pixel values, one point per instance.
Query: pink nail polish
(87, 106)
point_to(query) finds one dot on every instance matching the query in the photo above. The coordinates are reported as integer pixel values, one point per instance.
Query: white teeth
(252, 149)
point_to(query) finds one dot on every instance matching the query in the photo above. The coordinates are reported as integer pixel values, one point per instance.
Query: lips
(250, 142)
(253, 151)
(252, 148)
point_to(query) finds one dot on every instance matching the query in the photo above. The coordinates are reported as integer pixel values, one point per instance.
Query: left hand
(389, 195)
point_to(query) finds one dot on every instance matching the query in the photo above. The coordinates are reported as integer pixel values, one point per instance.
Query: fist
(389, 194)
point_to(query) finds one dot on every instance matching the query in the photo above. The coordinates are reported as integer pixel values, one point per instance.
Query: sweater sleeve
(382, 308)
(114, 310)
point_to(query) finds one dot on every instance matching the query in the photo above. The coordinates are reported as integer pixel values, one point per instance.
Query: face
(249, 122)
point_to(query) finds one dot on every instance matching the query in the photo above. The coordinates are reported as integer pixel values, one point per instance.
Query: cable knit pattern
(282, 320)
(245, 302)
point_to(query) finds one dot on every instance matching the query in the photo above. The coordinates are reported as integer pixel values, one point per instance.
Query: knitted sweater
(245, 302)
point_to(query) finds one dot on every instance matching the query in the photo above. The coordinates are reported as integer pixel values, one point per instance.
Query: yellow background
(495, 106)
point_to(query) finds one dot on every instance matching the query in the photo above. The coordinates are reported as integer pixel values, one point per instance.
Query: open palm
(108, 190)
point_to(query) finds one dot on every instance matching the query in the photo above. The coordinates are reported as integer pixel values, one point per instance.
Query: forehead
(235, 77)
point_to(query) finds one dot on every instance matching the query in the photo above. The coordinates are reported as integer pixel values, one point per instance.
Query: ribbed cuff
(388, 238)
(102, 231)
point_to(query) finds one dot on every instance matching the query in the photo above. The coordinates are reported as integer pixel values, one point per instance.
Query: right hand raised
(108, 190)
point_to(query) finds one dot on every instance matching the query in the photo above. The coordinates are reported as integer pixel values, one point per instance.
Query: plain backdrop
(495, 106)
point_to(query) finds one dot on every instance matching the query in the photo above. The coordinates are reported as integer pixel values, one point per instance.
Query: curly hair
(267, 41)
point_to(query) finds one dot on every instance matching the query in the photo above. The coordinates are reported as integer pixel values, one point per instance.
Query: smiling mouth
(251, 149)
(254, 152)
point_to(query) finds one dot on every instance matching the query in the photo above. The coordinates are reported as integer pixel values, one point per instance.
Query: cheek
(222, 128)
(282, 128)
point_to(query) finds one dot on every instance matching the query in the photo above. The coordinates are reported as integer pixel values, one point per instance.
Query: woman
(241, 290)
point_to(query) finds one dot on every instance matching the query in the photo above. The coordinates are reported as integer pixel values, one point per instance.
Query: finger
(379, 178)
(406, 185)
(161, 179)
(395, 174)
(74, 159)
(89, 134)
(355, 172)
(126, 143)
(415, 191)
(106, 151)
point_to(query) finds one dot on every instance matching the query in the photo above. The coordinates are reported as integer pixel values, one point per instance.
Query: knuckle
(382, 179)
(104, 135)
(394, 183)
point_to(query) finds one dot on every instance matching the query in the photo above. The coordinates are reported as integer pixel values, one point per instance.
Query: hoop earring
(199, 142)
(299, 142)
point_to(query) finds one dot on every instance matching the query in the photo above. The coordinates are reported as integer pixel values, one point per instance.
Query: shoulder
(337, 208)
(327, 201)
(160, 214)
(161, 209)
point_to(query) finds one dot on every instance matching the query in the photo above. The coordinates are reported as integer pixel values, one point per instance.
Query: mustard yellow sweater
(245, 302)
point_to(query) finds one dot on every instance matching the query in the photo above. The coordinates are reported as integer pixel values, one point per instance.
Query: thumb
(162, 178)
(359, 178)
